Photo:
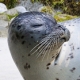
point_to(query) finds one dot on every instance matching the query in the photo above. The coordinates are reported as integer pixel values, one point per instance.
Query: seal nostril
(64, 38)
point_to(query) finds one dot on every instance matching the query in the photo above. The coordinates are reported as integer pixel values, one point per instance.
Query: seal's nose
(66, 35)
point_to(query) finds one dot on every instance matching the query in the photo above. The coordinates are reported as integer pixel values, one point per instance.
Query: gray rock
(3, 8)
(3, 23)
(30, 6)
(3, 29)
(21, 9)
(11, 12)
(4, 17)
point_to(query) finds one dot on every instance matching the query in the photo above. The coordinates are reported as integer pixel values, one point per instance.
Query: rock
(3, 8)
(3, 23)
(4, 17)
(3, 32)
(29, 5)
(21, 9)
(3, 29)
(12, 12)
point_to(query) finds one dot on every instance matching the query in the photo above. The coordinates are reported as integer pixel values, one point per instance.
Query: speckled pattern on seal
(35, 39)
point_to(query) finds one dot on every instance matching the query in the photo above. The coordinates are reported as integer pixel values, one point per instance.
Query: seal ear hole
(18, 27)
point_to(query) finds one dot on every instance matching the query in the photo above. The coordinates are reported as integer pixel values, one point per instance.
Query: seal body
(35, 40)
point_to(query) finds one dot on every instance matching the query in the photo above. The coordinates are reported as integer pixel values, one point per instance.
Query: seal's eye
(37, 25)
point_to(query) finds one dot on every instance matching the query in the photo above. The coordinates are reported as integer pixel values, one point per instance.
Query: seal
(35, 40)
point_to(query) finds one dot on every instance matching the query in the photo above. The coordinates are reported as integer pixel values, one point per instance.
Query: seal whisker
(44, 49)
(52, 44)
(42, 46)
(42, 42)
(51, 47)
(45, 46)
(38, 48)
(37, 45)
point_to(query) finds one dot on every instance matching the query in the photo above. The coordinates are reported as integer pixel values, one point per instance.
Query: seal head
(38, 34)
(33, 27)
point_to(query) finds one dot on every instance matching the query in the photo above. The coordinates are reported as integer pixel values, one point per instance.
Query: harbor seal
(35, 40)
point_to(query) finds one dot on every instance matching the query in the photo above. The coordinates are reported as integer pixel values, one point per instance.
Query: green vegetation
(63, 17)
(71, 7)
(57, 15)
(9, 3)
(47, 9)
(10, 17)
